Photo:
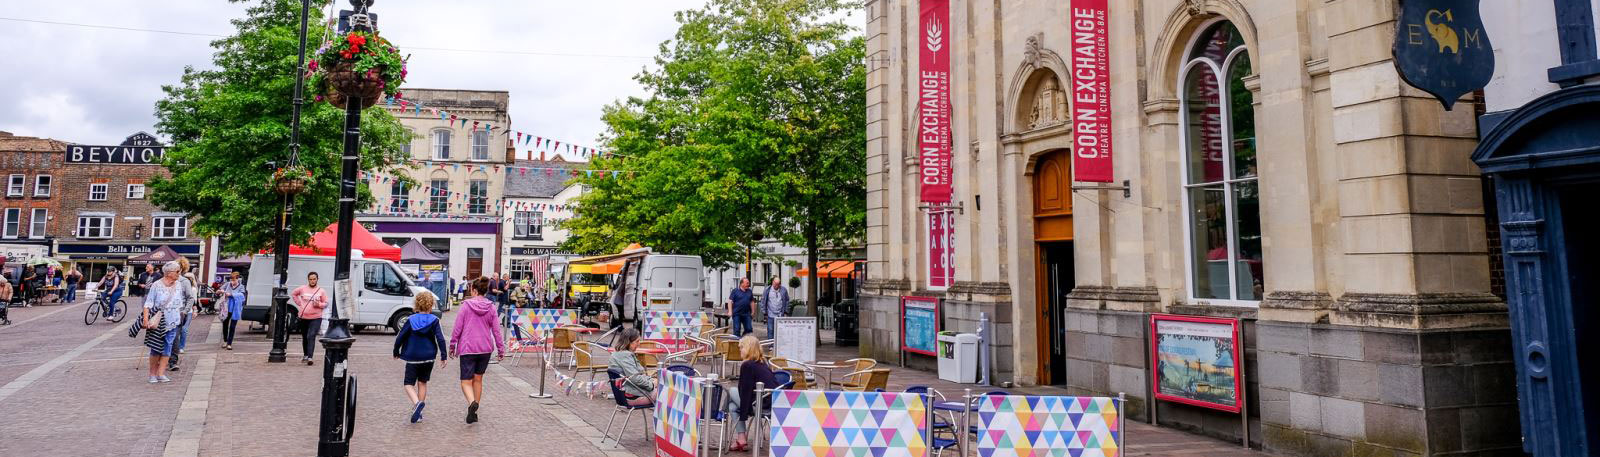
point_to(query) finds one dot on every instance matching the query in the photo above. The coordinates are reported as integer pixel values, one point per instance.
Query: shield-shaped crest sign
(1440, 47)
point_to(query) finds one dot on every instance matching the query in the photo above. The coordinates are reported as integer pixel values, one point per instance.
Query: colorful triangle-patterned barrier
(1021, 426)
(535, 323)
(853, 424)
(677, 406)
(673, 326)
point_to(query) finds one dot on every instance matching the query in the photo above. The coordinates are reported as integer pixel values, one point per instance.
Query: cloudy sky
(561, 60)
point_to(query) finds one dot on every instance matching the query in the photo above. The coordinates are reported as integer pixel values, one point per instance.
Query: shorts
(167, 349)
(418, 372)
(473, 365)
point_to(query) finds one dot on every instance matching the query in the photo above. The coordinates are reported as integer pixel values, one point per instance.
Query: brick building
(106, 217)
(31, 167)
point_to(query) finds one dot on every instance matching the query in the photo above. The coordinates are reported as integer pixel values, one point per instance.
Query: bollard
(1122, 422)
(983, 349)
(544, 364)
(754, 430)
(927, 410)
(707, 387)
(966, 421)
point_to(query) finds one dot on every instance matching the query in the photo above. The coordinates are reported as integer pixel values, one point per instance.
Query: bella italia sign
(139, 149)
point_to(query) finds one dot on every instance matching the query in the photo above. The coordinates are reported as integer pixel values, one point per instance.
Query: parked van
(384, 294)
(661, 282)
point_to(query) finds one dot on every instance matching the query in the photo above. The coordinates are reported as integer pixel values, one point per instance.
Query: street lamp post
(280, 247)
(338, 386)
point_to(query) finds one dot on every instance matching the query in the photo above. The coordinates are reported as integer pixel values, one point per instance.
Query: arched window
(1222, 200)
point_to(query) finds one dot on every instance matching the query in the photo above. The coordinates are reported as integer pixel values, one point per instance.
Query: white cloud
(95, 85)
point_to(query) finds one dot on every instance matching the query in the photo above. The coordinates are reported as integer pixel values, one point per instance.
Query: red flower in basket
(355, 40)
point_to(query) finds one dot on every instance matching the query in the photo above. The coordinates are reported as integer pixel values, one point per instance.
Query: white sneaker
(164, 378)
(153, 380)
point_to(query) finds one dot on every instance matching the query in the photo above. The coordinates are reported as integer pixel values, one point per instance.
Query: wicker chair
(858, 375)
(583, 356)
(561, 340)
(872, 380)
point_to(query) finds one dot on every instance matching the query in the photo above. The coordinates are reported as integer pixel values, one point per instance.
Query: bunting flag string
(518, 137)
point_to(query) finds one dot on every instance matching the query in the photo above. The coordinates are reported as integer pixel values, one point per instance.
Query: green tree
(228, 125)
(754, 128)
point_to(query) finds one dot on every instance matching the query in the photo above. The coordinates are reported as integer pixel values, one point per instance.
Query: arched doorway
(1052, 235)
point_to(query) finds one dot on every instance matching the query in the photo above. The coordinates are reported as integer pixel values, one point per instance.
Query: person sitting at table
(754, 369)
(636, 383)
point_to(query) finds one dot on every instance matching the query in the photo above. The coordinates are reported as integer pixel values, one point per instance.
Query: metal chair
(561, 340)
(583, 356)
(627, 410)
(522, 342)
(797, 378)
(686, 370)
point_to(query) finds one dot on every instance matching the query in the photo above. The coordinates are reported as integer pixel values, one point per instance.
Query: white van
(661, 282)
(384, 294)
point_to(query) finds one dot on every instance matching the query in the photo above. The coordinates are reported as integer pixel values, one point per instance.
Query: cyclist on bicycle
(111, 284)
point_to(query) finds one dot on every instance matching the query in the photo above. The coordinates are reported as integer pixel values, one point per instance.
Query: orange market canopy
(608, 264)
(830, 269)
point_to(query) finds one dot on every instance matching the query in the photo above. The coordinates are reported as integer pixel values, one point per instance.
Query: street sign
(1441, 48)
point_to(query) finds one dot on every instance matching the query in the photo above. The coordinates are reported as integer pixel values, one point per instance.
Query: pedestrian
(742, 308)
(776, 301)
(160, 314)
(141, 283)
(73, 278)
(111, 285)
(5, 299)
(234, 292)
(418, 341)
(474, 336)
(754, 369)
(637, 385)
(312, 300)
(190, 296)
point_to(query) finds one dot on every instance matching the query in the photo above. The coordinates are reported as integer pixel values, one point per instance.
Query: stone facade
(1370, 327)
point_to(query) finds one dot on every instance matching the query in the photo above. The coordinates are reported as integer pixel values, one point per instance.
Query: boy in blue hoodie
(417, 342)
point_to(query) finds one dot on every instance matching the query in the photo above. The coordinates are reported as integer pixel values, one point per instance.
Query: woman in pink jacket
(312, 300)
(475, 335)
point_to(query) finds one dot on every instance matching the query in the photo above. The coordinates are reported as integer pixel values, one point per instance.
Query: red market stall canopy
(326, 242)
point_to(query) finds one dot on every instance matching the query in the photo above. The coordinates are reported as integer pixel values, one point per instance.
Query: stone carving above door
(1049, 103)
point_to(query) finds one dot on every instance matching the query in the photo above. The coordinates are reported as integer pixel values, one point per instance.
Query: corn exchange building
(1269, 172)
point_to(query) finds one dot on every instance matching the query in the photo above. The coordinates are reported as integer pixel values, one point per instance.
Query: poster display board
(1016, 425)
(808, 423)
(672, 327)
(797, 339)
(919, 325)
(677, 430)
(1196, 361)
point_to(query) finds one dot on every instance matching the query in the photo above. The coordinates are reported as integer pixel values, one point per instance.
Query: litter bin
(958, 357)
(844, 323)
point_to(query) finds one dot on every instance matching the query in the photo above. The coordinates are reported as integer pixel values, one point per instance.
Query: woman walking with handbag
(162, 310)
(475, 335)
(312, 300)
(234, 292)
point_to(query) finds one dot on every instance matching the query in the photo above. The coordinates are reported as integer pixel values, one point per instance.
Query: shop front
(93, 259)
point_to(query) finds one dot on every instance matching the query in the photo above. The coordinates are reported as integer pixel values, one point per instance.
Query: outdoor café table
(950, 406)
(829, 367)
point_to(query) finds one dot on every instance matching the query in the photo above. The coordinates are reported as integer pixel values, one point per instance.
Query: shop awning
(822, 268)
(840, 270)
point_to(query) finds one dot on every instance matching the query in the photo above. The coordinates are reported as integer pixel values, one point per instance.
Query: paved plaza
(67, 389)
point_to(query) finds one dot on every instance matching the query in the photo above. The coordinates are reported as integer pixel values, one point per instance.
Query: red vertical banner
(933, 101)
(1091, 91)
(941, 249)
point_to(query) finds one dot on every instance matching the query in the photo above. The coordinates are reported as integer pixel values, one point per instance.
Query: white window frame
(399, 201)
(441, 149)
(105, 191)
(477, 205)
(438, 197)
(43, 185)
(178, 231)
(109, 227)
(480, 150)
(15, 184)
(133, 196)
(1227, 163)
(13, 224)
(411, 135)
(38, 223)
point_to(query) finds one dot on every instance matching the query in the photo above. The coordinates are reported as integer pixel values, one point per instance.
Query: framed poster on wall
(919, 325)
(1196, 361)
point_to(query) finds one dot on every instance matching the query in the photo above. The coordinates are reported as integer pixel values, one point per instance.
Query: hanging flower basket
(290, 180)
(360, 64)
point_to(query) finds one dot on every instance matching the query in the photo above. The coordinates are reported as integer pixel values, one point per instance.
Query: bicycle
(118, 311)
